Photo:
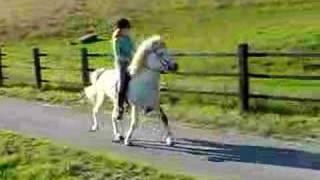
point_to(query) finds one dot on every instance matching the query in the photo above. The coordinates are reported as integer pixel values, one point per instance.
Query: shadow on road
(216, 152)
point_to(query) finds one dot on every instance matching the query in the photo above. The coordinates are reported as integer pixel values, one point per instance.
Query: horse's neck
(148, 76)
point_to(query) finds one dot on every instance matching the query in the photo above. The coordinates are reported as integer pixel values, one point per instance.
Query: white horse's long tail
(91, 90)
(94, 76)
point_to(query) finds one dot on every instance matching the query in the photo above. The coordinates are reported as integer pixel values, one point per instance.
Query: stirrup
(126, 107)
(147, 110)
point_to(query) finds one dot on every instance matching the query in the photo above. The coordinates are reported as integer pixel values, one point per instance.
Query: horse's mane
(139, 56)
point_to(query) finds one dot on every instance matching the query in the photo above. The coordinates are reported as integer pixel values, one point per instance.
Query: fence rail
(203, 54)
(217, 93)
(206, 74)
(283, 54)
(243, 56)
(270, 76)
(283, 98)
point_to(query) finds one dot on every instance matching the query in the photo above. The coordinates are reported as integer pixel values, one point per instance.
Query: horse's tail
(94, 76)
(91, 90)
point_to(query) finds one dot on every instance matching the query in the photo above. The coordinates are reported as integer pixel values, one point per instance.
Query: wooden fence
(37, 66)
(2, 78)
(243, 54)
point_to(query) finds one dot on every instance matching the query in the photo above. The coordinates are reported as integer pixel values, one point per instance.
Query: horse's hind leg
(164, 119)
(95, 110)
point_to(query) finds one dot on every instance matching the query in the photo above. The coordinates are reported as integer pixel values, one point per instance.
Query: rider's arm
(116, 49)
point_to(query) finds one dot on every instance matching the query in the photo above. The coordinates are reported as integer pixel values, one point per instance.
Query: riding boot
(120, 109)
(120, 102)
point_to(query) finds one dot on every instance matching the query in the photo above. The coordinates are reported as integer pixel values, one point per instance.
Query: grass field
(27, 158)
(187, 25)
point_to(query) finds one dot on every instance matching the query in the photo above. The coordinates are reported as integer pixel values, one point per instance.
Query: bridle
(163, 60)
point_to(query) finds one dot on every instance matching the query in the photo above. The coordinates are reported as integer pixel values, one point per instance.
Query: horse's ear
(162, 41)
(116, 33)
(147, 51)
(161, 38)
(163, 44)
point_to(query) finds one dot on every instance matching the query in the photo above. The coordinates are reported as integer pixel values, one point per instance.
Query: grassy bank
(32, 159)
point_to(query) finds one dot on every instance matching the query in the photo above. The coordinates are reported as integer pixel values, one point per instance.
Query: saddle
(125, 100)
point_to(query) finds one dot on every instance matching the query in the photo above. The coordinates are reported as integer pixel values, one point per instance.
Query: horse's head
(153, 55)
(159, 59)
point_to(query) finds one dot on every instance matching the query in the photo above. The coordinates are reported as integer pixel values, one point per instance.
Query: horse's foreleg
(164, 119)
(133, 124)
(95, 110)
(116, 133)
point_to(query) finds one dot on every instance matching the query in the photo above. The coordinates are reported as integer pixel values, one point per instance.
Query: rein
(153, 70)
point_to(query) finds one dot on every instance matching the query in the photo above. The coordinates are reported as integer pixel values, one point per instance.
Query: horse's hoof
(121, 138)
(93, 130)
(118, 139)
(169, 142)
(128, 143)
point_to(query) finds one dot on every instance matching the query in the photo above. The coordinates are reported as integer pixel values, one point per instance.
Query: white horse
(149, 61)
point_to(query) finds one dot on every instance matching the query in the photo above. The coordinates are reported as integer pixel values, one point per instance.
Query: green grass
(27, 158)
(206, 27)
(275, 25)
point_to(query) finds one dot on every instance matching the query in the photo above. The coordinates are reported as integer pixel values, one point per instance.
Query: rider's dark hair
(123, 23)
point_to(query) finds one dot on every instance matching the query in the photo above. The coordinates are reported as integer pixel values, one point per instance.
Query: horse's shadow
(216, 152)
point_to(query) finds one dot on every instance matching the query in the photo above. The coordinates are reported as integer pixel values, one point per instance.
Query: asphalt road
(197, 152)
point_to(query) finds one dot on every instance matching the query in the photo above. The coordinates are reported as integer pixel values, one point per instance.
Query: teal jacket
(123, 48)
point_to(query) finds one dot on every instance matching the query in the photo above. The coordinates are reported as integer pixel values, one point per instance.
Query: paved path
(197, 152)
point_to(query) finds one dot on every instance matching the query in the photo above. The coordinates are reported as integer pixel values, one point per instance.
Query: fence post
(1, 66)
(1, 73)
(85, 66)
(243, 77)
(37, 67)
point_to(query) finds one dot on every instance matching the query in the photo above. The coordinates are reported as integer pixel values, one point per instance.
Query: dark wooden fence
(243, 55)
(37, 66)
(85, 65)
(2, 78)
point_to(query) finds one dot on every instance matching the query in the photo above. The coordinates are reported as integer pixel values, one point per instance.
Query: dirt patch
(29, 18)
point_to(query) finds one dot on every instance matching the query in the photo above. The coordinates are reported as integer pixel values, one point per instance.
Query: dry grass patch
(30, 18)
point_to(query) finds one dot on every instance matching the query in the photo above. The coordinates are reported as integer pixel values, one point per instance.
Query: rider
(123, 48)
